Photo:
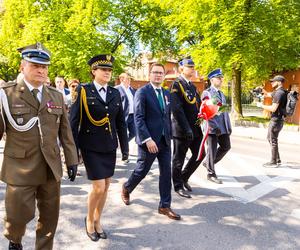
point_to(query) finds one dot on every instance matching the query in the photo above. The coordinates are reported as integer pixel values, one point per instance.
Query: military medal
(49, 110)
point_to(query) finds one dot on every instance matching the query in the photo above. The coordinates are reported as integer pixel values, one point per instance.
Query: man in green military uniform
(34, 116)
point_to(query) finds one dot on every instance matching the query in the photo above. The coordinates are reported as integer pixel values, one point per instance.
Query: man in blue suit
(153, 136)
(127, 94)
(220, 127)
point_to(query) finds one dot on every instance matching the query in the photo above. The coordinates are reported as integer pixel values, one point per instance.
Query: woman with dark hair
(97, 120)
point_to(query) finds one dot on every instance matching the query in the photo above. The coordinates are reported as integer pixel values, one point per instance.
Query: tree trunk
(236, 99)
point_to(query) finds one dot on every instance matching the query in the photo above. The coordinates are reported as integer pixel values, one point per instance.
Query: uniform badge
(49, 110)
(20, 120)
(108, 57)
(39, 46)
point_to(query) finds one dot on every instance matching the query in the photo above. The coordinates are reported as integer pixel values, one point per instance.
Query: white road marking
(296, 213)
(232, 187)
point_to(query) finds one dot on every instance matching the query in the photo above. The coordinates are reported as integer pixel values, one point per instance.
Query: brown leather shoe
(125, 195)
(169, 212)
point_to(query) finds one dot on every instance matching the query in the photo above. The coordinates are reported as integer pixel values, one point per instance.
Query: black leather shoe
(214, 178)
(93, 236)
(15, 246)
(187, 186)
(183, 193)
(101, 235)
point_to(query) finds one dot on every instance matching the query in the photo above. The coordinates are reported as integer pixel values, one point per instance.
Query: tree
(249, 39)
(75, 30)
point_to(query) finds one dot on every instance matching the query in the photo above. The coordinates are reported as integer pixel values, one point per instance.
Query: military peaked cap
(35, 53)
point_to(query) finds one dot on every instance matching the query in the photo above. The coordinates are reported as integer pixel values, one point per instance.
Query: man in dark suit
(185, 102)
(127, 94)
(35, 118)
(220, 127)
(153, 127)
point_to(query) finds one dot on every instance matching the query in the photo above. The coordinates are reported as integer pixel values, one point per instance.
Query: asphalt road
(255, 208)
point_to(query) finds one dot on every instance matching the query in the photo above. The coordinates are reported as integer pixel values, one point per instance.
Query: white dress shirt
(161, 92)
(129, 97)
(102, 93)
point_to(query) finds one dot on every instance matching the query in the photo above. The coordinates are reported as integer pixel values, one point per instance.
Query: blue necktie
(160, 99)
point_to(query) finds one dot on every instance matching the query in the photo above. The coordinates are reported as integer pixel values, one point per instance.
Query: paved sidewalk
(285, 136)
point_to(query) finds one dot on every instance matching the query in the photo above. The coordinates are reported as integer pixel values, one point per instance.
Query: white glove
(259, 104)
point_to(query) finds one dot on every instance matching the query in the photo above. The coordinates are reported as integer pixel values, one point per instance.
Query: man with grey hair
(35, 116)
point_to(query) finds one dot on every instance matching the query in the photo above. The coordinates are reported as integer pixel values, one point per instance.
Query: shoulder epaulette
(112, 88)
(8, 84)
(172, 89)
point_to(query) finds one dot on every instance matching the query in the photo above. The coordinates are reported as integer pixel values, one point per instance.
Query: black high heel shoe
(101, 235)
(93, 236)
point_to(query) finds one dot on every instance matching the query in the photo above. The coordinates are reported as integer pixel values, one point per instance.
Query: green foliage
(76, 30)
(256, 38)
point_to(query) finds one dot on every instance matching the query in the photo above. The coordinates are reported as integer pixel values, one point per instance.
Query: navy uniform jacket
(150, 120)
(221, 121)
(98, 138)
(184, 114)
(124, 99)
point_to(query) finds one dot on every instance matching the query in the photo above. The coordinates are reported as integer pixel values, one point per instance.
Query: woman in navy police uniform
(97, 120)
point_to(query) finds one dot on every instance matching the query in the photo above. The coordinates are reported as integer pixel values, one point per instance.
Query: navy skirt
(99, 165)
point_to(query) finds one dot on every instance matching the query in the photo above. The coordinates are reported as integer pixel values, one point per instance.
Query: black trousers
(215, 153)
(181, 147)
(275, 127)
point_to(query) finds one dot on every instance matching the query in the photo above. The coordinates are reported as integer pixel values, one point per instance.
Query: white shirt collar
(99, 86)
(124, 86)
(216, 89)
(155, 87)
(40, 88)
(188, 81)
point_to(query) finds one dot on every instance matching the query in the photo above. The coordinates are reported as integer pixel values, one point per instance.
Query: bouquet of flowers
(208, 109)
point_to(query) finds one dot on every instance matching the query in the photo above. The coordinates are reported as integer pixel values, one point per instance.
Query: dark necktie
(34, 93)
(160, 99)
(102, 89)
(220, 95)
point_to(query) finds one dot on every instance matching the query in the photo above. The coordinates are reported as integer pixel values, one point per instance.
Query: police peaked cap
(188, 62)
(215, 73)
(36, 53)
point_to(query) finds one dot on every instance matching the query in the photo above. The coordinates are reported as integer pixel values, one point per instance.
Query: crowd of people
(89, 122)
